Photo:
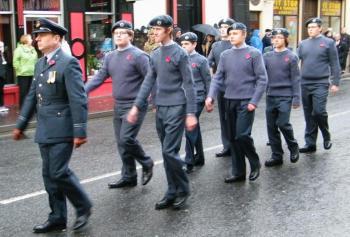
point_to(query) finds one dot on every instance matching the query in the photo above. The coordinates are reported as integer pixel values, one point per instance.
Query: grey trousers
(61, 183)
(314, 98)
(128, 146)
(170, 124)
(278, 110)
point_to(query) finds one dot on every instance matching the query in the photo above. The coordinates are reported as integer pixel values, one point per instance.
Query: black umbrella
(206, 29)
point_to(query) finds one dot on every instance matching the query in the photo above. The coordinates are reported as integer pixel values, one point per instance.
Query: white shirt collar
(123, 49)
(50, 55)
(244, 45)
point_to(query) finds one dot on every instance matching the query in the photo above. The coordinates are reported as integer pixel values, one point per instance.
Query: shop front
(331, 11)
(285, 15)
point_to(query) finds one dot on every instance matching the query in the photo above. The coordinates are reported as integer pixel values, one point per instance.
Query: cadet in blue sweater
(176, 107)
(127, 65)
(214, 58)
(319, 61)
(283, 92)
(242, 73)
(201, 77)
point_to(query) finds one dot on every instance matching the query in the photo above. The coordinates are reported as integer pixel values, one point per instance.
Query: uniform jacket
(60, 104)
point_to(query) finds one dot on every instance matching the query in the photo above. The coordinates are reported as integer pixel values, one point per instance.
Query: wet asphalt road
(309, 198)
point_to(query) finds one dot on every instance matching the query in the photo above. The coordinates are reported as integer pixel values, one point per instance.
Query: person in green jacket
(24, 60)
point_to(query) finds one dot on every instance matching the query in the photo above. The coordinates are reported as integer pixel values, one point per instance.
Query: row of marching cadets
(184, 87)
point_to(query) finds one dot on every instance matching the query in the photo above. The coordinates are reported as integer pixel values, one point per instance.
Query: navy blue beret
(282, 31)
(189, 36)
(162, 20)
(316, 20)
(237, 26)
(227, 21)
(122, 25)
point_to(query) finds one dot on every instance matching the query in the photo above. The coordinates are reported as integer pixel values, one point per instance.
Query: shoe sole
(50, 231)
(147, 181)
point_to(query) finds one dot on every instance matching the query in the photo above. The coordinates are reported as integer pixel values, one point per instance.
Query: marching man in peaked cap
(57, 95)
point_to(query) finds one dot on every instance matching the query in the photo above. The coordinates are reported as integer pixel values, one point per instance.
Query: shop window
(99, 40)
(42, 5)
(4, 5)
(5, 36)
(330, 14)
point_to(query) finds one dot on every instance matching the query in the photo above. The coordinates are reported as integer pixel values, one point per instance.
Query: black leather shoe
(294, 156)
(189, 168)
(223, 153)
(307, 149)
(273, 162)
(254, 174)
(234, 179)
(123, 183)
(327, 145)
(147, 174)
(199, 160)
(180, 201)
(164, 203)
(49, 226)
(82, 220)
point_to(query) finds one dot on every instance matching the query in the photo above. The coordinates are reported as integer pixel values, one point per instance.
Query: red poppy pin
(52, 62)
(167, 59)
(247, 56)
(194, 65)
(129, 57)
(286, 59)
(322, 45)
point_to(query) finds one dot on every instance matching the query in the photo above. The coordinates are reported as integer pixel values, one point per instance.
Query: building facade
(89, 22)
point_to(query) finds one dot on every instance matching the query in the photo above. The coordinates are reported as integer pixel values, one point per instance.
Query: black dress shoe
(147, 174)
(294, 156)
(82, 220)
(307, 149)
(327, 145)
(123, 183)
(49, 226)
(223, 153)
(234, 179)
(164, 203)
(199, 160)
(254, 174)
(189, 168)
(273, 162)
(180, 201)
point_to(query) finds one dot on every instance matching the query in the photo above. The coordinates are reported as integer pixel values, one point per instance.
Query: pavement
(309, 198)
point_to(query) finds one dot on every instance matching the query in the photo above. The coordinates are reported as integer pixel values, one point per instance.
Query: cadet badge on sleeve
(52, 77)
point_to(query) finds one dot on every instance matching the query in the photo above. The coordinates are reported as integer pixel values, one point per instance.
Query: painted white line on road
(339, 114)
(84, 181)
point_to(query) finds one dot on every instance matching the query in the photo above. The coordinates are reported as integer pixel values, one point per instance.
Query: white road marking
(104, 176)
(84, 181)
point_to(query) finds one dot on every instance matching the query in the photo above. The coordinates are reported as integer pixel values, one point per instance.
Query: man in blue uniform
(242, 73)
(283, 93)
(57, 95)
(214, 58)
(201, 77)
(319, 61)
(176, 107)
(127, 65)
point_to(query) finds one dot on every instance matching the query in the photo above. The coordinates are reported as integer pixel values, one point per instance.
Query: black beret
(227, 21)
(282, 31)
(316, 20)
(122, 25)
(237, 26)
(189, 36)
(162, 20)
(44, 25)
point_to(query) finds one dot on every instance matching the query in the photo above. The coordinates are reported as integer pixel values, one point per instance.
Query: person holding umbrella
(213, 58)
